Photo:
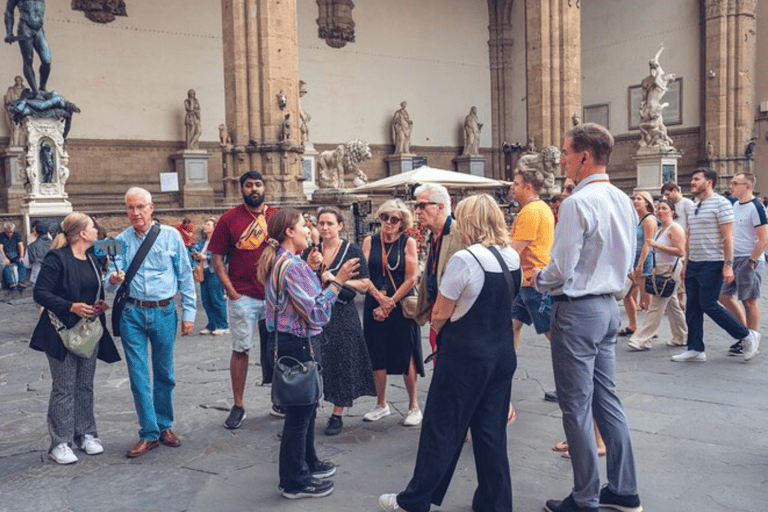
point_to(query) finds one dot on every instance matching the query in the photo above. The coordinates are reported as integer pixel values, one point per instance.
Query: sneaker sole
(238, 424)
(299, 495)
(622, 508)
(63, 463)
(321, 475)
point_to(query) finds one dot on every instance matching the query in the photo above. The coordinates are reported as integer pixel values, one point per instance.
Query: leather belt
(566, 298)
(150, 303)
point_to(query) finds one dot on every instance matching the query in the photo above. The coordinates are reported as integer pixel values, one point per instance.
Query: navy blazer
(57, 287)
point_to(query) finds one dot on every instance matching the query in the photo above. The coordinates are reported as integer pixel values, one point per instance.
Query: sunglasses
(422, 205)
(696, 211)
(385, 217)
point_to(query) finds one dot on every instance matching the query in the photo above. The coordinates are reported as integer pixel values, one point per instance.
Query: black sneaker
(334, 426)
(235, 418)
(567, 505)
(736, 349)
(622, 503)
(277, 411)
(550, 396)
(323, 469)
(314, 489)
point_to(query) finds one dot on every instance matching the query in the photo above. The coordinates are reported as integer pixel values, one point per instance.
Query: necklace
(385, 257)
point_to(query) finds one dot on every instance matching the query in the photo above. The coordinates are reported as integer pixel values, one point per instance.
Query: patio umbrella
(449, 179)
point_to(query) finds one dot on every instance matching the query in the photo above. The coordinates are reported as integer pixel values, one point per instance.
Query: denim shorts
(244, 313)
(532, 307)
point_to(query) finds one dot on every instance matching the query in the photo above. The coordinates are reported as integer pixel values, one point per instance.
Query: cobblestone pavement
(699, 433)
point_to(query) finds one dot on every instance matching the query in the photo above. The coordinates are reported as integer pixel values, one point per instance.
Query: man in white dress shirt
(592, 254)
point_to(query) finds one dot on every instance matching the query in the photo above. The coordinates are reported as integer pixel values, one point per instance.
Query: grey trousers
(70, 409)
(584, 364)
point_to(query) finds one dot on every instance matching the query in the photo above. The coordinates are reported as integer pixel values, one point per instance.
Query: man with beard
(239, 238)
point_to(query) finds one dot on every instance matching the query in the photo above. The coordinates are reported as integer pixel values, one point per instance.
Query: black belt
(150, 303)
(566, 298)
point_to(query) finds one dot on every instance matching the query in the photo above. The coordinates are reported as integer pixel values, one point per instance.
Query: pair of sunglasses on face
(385, 217)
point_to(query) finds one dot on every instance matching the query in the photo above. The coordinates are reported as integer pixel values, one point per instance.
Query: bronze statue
(31, 38)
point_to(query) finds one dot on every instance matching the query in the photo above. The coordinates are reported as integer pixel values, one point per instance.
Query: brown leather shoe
(142, 447)
(168, 438)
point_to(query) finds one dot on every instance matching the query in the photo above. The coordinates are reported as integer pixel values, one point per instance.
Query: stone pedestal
(192, 168)
(309, 171)
(654, 168)
(470, 164)
(398, 164)
(12, 192)
(45, 169)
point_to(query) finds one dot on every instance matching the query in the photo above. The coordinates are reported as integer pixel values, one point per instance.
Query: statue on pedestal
(16, 138)
(192, 120)
(304, 118)
(224, 139)
(547, 162)
(400, 130)
(31, 39)
(345, 159)
(472, 128)
(654, 87)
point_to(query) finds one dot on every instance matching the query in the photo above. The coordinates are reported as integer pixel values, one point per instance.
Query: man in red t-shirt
(240, 236)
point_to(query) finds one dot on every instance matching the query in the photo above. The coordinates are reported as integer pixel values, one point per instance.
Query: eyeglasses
(385, 217)
(423, 204)
(737, 183)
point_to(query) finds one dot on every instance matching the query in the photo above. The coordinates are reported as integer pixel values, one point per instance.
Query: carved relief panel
(100, 11)
(335, 23)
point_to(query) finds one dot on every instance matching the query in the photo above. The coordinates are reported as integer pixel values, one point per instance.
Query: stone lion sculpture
(345, 159)
(546, 161)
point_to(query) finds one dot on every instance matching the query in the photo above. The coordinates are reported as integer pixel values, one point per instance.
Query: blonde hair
(396, 205)
(71, 227)
(277, 226)
(480, 220)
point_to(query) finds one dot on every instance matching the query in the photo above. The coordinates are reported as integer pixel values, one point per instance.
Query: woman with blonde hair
(394, 341)
(296, 308)
(472, 382)
(69, 286)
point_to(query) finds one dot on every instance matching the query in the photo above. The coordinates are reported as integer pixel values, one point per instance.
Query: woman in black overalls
(472, 382)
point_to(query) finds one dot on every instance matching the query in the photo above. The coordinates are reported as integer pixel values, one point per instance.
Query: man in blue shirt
(150, 318)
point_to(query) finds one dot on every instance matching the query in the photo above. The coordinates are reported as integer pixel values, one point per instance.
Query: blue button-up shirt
(165, 271)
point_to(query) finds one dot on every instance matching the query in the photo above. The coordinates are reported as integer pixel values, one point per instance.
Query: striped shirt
(748, 217)
(307, 298)
(705, 242)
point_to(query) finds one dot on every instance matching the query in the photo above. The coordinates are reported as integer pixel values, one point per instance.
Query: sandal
(561, 446)
(626, 332)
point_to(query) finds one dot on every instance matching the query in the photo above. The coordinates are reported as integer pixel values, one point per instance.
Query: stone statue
(345, 159)
(654, 87)
(472, 129)
(547, 162)
(282, 100)
(100, 11)
(530, 148)
(285, 135)
(304, 118)
(749, 152)
(224, 139)
(51, 105)
(400, 131)
(31, 38)
(710, 152)
(47, 163)
(575, 119)
(192, 120)
(16, 138)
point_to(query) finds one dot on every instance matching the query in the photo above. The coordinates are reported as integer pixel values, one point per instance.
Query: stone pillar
(502, 94)
(553, 41)
(730, 28)
(260, 40)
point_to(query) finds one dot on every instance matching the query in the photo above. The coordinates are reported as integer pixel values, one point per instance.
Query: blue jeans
(8, 276)
(703, 280)
(214, 303)
(141, 328)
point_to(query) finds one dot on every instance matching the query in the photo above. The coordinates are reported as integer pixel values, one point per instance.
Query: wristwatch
(729, 263)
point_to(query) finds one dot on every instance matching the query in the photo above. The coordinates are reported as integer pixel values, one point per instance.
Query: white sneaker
(751, 344)
(388, 502)
(378, 412)
(676, 343)
(63, 454)
(206, 331)
(220, 332)
(413, 418)
(91, 445)
(690, 356)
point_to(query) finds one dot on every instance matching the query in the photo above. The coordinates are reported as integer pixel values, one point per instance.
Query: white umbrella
(425, 174)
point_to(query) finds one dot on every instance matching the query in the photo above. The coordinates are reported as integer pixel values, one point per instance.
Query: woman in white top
(668, 250)
(472, 382)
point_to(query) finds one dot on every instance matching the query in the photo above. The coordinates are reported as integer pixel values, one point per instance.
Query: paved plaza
(700, 434)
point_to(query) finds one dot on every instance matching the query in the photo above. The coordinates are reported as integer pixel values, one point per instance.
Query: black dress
(347, 373)
(393, 342)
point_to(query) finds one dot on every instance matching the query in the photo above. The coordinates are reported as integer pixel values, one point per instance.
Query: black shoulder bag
(122, 292)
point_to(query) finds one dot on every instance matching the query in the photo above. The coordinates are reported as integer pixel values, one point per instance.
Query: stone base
(44, 207)
(398, 164)
(309, 171)
(12, 191)
(470, 164)
(654, 168)
(336, 197)
(192, 168)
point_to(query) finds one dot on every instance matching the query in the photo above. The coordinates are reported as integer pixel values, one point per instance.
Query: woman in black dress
(394, 342)
(347, 372)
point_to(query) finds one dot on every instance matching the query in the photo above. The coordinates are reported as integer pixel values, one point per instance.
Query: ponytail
(276, 228)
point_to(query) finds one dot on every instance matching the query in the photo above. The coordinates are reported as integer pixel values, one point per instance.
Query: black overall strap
(507, 274)
(138, 258)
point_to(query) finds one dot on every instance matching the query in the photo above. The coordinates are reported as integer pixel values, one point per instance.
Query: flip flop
(561, 446)
(626, 332)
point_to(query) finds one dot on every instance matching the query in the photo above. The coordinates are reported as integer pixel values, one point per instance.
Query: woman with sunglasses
(394, 342)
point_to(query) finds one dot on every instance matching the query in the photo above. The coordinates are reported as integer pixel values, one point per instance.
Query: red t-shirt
(241, 235)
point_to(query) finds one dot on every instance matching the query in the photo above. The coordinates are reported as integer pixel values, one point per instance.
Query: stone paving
(699, 432)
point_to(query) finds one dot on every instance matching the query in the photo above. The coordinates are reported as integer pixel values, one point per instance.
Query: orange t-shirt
(534, 224)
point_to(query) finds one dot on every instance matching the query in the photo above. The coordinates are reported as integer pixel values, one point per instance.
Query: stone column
(730, 28)
(553, 40)
(500, 49)
(260, 40)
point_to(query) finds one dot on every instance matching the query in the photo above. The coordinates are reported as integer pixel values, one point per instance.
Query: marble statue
(710, 152)
(285, 135)
(575, 119)
(472, 128)
(31, 38)
(304, 118)
(345, 159)
(282, 100)
(224, 139)
(16, 138)
(530, 147)
(400, 130)
(192, 120)
(547, 162)
(47, 163)
(654, 87)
